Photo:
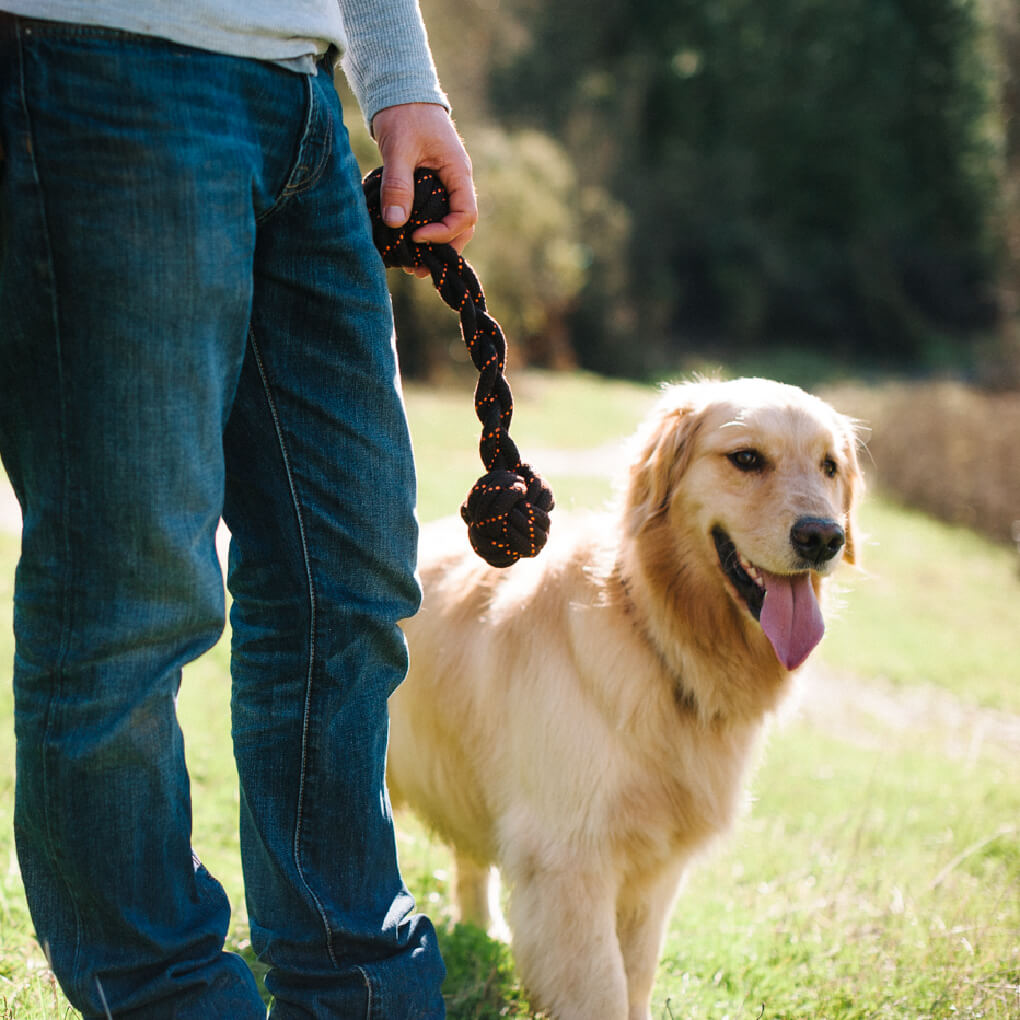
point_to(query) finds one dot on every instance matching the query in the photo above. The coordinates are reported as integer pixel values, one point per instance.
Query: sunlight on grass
(848, 891)
(561, 413)
(877, 873)
(932, 604)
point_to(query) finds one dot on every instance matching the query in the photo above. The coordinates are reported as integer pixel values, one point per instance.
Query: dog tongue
(791, 617)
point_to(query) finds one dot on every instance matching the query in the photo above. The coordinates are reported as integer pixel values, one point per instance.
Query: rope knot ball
(507, 511)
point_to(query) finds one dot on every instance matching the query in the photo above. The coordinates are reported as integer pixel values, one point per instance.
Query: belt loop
(331, 58)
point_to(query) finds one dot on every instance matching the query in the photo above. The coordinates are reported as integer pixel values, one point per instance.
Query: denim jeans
(194, 323)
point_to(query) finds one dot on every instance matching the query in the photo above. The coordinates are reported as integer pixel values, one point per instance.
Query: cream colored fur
(586, 720)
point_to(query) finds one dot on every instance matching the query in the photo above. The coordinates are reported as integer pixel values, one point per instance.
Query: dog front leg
(642, 913)
(472, 891)
(563, 924)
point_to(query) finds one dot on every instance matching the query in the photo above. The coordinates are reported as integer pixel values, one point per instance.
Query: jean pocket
(316, 146)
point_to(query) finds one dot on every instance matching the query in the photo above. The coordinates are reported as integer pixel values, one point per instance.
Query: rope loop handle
(507, 511)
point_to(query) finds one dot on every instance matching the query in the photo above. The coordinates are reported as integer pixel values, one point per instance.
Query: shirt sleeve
(387, 60)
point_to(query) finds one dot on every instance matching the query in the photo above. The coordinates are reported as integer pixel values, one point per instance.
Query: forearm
(387, 61)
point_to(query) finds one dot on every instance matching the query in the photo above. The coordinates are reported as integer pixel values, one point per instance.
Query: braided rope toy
(507, 511)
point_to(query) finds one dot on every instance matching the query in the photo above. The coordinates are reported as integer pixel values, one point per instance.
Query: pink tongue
(791, 617)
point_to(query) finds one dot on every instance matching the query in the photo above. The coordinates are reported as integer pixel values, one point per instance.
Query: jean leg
(122, 342)
(320, 503)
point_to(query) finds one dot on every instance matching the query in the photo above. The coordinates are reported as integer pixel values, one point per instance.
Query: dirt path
(874, 714)
(868, 713)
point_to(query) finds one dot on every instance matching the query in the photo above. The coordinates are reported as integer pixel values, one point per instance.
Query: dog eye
(747, 460)
(830, 467)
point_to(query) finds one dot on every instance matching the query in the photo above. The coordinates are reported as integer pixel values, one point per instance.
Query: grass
(933, 604)
(877, 873)
(568, 412)
(853, 891)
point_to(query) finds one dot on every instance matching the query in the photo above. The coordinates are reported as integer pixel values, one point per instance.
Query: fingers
(422, 134)
(397, 197)
(397, 190)
(458, 226)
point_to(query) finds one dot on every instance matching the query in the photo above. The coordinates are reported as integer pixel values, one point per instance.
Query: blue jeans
(194, 322)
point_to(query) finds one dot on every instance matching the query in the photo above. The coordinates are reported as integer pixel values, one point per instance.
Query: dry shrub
(948, 449)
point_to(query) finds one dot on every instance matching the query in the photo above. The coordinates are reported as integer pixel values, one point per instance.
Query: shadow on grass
(481, 983)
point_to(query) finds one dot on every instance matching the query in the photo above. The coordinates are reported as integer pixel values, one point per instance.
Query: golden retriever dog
(586, 720)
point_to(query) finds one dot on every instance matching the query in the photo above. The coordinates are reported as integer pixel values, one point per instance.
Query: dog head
(754, 484)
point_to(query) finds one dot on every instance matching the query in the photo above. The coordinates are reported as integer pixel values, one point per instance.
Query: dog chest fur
(587, 720)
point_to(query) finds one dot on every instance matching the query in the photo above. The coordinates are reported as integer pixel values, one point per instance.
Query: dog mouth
(785, 605)
(745, 577)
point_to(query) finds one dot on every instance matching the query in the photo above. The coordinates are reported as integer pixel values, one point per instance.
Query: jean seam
(369, 1003)
(296, 184)
(315, 175)
(309, 682)
(65, 522)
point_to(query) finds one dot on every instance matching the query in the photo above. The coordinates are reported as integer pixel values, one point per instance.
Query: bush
(944, 448)
(532, 252)
(796, 169)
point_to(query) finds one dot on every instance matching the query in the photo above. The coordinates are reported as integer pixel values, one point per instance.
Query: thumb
(396, 190)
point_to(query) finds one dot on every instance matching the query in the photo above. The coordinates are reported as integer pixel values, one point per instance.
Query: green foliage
(796, 169)
(658, 177)
(534, 244)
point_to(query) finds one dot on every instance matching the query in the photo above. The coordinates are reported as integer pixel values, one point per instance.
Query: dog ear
(665, 446)
(854, 488)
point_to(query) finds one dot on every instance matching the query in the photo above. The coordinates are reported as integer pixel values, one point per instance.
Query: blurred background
(823, 193)
(660, 180)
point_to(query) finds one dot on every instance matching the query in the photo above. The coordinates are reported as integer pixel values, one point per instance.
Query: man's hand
(416, 135)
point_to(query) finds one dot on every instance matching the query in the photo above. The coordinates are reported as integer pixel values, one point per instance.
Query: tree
(1002, 368)
(532, 252)
(795, 170)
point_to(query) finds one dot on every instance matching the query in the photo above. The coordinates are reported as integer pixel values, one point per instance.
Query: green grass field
(877, 873)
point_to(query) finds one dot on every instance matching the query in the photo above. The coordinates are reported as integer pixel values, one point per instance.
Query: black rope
(507, 511)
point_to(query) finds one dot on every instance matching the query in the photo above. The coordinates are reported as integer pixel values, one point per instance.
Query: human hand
(413, 135)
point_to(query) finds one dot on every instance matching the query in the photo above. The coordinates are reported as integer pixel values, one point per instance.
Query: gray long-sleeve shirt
(384, 46)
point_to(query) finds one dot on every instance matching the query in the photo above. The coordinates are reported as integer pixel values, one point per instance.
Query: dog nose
(817, 540)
